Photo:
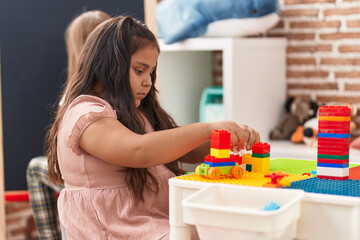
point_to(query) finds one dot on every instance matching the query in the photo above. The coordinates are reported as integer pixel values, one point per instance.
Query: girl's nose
(147, 81)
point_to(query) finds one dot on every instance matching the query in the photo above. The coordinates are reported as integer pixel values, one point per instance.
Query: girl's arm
(197, 155)
(111, 141)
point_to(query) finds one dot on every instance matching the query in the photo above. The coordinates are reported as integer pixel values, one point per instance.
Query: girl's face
(143, 63)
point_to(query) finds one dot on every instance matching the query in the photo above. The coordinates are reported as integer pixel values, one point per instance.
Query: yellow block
(247, 158)
(220, 153)
(334, 118)
(261, 165)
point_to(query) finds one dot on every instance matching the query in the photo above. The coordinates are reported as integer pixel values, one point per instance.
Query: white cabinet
(254, 80)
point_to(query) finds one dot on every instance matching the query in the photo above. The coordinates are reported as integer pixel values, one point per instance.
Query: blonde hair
(76, 34)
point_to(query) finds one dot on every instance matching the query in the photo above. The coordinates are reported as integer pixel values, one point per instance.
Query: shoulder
(88, 101)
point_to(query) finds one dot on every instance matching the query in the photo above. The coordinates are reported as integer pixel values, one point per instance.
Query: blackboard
(33, 65)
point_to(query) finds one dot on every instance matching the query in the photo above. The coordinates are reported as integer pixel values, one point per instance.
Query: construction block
(327, 156)
(260, 148)
(322, 140)
(333, 165)
(338, 131)
(220, 153)
(332, 172)
(334, 111)
(332, 178)
(319, 160)
(354, 173)
(220, 139)
(334, 118)
(326, 151)
(248, 167)
(258, 155)
(315, 185)
(333, 124)
(236, 158)
(261, 165)
(333, 135)
(247, 158)
(220, 164)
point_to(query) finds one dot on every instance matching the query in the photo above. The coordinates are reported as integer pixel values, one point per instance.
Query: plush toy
(310, 132)
(298, 110)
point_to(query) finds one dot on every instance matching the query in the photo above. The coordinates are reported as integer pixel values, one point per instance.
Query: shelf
(254, 81)
(218, 44)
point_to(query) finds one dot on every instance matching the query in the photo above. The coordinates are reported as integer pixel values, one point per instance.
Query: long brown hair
(105, 61)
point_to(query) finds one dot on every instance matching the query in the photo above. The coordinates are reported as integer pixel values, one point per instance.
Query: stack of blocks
(220, 156)
(333, 142)
(259, 160)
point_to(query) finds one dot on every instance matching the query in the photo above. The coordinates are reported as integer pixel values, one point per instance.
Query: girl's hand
(242, 136)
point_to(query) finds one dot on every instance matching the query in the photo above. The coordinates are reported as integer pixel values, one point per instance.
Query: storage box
(211, 105)
(236, 212)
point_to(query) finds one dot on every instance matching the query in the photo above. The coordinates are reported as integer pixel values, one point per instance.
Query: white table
(323, 216)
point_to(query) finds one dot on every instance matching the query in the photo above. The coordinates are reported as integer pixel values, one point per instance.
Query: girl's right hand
(242, 136)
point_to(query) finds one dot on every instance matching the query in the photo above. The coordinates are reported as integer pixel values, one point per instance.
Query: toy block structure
(333, 142)
(220, 162)
(260, 157)
(275, 177)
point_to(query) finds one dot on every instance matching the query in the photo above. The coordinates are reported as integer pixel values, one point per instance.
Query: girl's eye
(138, 71)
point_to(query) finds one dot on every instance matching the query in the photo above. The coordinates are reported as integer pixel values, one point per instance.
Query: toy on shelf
(333, 142)
(275, 177)
(298, 110)
(220, 162)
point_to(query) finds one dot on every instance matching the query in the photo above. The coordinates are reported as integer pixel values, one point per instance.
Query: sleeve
(85, 112)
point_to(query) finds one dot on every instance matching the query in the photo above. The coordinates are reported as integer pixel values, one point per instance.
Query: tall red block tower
(333, 142)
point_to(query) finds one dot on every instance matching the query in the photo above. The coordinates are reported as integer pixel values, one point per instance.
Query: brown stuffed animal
(298, 111)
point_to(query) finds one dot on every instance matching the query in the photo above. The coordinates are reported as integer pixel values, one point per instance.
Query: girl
(41, 191)
(113, 144)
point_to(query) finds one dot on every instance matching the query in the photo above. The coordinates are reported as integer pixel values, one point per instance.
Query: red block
(341, 131)
(333, 178)
(233, 158)
(333, 124)
(333, 152)
(354, 173)
(220, 139)
(336, 161)
(333, 141)
(213, 159)
(343, 111)
(260, 148)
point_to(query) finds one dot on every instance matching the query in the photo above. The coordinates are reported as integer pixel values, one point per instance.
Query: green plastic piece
(296, 166)
(248, 167)
(259, 155)
(325, 156)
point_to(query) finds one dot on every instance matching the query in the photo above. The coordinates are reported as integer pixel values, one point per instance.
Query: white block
(334, 172)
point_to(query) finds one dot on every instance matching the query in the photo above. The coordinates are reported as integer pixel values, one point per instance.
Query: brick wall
(20, 222)
(323, 53)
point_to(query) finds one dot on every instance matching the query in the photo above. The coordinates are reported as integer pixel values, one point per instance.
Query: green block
(259, 155)
(248, 167)
(340, 157)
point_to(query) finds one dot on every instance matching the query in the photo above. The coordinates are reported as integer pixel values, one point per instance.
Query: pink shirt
(96, 202)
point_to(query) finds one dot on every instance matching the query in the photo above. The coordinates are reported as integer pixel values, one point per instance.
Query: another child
(113, 144)
(42, 192)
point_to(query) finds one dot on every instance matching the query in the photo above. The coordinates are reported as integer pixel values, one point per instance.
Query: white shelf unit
(254, 82)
